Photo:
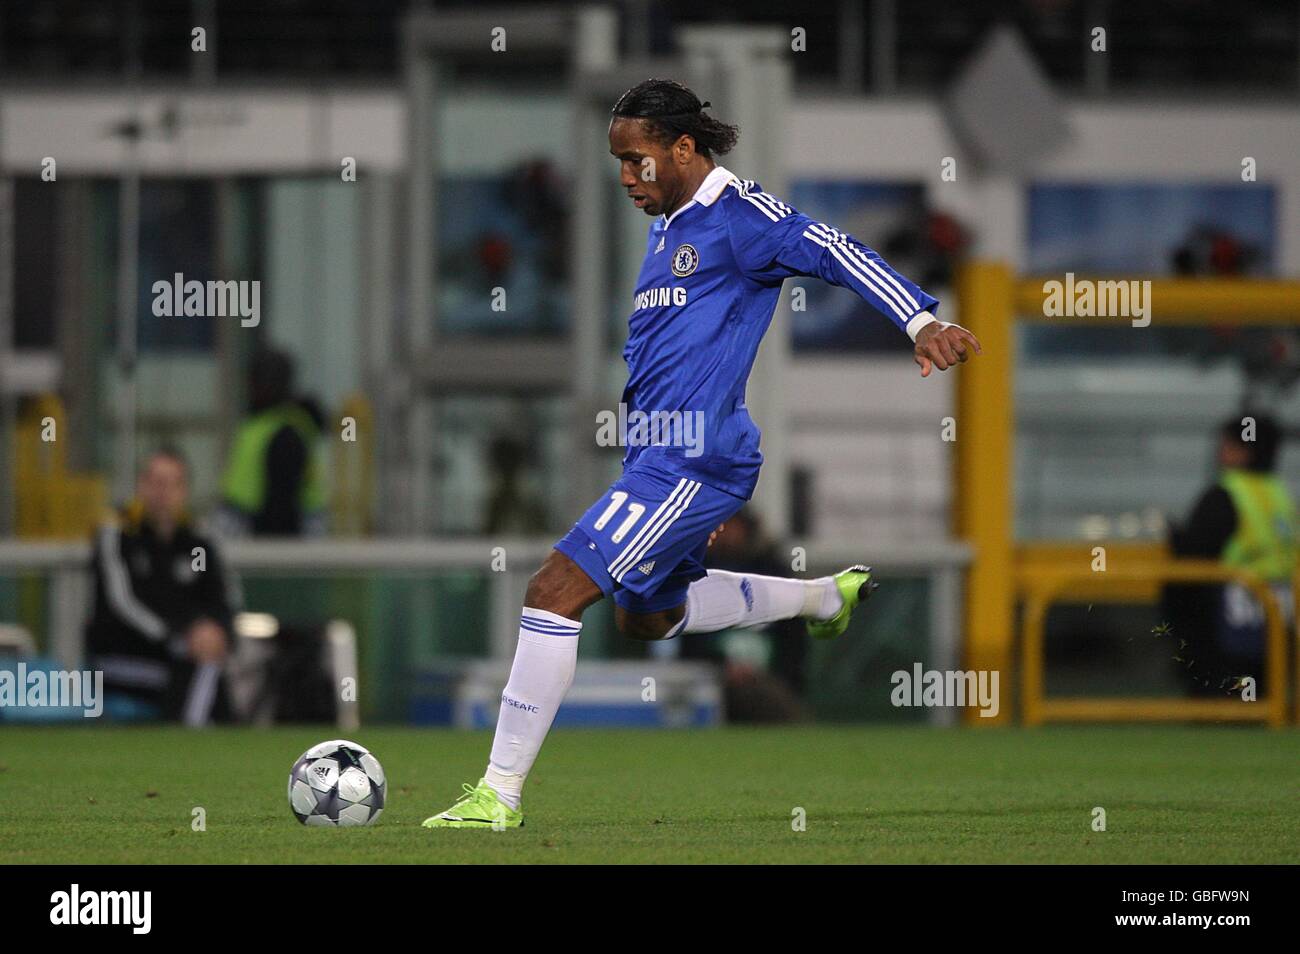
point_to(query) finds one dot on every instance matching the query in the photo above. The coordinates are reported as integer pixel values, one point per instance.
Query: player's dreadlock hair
(670, 109)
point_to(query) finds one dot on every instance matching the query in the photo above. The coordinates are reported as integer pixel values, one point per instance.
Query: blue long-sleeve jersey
(704, 299)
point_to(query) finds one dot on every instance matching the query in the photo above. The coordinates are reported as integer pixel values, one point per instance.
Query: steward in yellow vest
(274, 480)
(1264, 539)
(1247, 519)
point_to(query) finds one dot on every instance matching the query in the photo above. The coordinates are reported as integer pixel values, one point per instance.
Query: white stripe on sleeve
(117, 586)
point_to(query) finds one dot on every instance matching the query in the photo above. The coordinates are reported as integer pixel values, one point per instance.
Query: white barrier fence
(506, 564)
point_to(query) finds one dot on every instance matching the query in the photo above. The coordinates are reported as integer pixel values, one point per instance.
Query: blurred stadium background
(982, 147)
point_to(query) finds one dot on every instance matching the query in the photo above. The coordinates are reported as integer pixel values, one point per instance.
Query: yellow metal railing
(1181, 301)
(1047, 585)
(992, 299)
(51, 502)
(1038, 559)
(352, 471)
(983, 469)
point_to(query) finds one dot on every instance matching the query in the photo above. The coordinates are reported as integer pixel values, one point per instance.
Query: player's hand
(943, 348)
(714, 535)
(207, 642)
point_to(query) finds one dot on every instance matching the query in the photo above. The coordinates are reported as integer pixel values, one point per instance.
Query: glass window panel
(36, 263)
(177, 235)
(502, 210)
(501, 465)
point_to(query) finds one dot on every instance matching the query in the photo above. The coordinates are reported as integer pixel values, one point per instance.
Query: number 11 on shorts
(634, 513)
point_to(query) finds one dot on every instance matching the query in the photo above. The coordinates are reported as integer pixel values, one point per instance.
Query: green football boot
(855, 585)
(479, 808)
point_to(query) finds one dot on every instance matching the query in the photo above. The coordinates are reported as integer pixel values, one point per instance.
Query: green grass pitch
(910, 795)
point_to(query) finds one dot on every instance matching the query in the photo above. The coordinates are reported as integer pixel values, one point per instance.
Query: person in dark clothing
(755, 693)
(1245, 520)
(273, 485)
(512, 505)
(161, 625)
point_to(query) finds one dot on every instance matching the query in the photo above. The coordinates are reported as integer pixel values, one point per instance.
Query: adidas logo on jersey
(647, 568)
(660, 247)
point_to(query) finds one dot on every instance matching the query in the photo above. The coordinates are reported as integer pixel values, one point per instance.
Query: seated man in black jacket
(161, 627)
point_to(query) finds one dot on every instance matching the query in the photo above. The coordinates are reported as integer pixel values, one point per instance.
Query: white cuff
(923, 318)
(919, 321)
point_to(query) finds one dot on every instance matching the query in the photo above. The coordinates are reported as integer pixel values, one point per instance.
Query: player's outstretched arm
(942, 346)
(773, 242)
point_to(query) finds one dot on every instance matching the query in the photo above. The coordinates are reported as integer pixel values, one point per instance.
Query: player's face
(647, 170)
(163, 489)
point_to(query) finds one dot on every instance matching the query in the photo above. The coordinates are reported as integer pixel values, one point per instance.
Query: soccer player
(718, 251)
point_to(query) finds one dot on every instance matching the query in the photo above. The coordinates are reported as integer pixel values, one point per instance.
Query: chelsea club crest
(685, 260)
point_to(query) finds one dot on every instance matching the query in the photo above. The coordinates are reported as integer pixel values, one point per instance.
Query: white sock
(545, 658)
(724, 599)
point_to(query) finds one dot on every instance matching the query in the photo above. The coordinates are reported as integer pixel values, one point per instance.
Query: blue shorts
(645, 539)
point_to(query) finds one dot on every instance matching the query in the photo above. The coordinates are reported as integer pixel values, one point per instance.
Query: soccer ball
(337, 783)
